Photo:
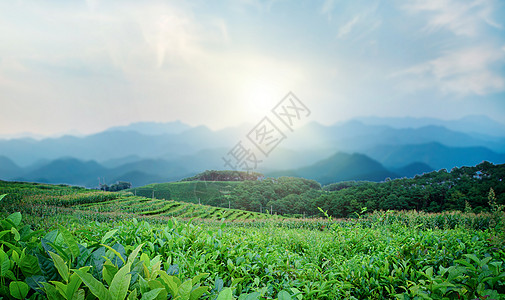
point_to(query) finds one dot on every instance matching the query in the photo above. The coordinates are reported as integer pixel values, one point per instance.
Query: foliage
(212, 175)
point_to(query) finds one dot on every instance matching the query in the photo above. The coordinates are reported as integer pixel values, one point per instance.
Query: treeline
(116, 187)
(212, 175)
(477, 189)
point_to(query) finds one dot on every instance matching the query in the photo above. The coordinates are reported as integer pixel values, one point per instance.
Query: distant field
(187, 191)
(41, 199)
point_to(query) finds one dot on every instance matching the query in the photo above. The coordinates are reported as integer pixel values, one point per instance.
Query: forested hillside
(465, 188)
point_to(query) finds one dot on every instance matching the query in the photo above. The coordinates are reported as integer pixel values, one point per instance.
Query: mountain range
(368, 148)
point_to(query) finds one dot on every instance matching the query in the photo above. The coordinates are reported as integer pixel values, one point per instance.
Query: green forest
(472, 189)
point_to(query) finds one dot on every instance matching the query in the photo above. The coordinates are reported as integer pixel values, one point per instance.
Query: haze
(84, 66)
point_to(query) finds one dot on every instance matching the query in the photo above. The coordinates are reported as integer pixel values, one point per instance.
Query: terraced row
(169, 208)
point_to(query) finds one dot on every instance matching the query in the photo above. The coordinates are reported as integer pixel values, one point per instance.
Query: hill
(341, 167)
(433, 154)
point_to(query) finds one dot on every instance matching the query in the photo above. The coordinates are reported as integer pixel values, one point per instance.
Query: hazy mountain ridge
(148, 152)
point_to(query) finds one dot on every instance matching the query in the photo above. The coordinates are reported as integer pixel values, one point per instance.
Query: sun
(260, 97)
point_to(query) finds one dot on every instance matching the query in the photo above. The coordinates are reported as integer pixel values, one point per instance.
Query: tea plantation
(61, 242)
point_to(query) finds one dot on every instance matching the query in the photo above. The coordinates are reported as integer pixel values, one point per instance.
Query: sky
(84, 66)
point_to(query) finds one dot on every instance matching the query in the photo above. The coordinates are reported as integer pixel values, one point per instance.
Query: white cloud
(347, 27)
(327, 8)
(460, 17)
(462, 72)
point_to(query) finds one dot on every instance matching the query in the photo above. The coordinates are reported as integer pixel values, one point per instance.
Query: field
(187, 191)
(72, 243)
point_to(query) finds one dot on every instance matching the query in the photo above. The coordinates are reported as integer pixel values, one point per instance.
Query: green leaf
(114, 251)
(15, 218)
(133, 295)
(61, 288)
(108, 235)
(134, 253)
(29, 265)
(226, 294)
(51, 292)
(73, 286)
(2, 196)
(119, 285)
(15, 232)
(79, 295)
(297, 294)
(185, 290)
(95, 286)
(283, 295)
(19, 289)
(70, 241)
(152, 294)
(60, 265)
(197, 278)
(170, 282)
(5, 263)
(198, 292)
(47, 267)
(108, 272)
(251, 296)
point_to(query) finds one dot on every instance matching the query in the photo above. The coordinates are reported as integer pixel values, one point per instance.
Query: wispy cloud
(347, 27)
(460, 17)
(462, 72)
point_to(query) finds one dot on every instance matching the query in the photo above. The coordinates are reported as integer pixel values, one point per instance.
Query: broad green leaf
(119, 285)
(70, 241)
(79, 295)
(114, 251)
(197, 278)
(108, 235)
(95, 286)
(47, 267)
(134, 253)
(36, 282)
(60, 265)
(185, 290)
(297, 294)
(170, 282)
(29, 265)
(198, 292)
(283, 295)
(19, 289)
(61, 288)
(15, 232)
(251, 296)
(108, 272)
(5, 263)
(4, 232)
(73, 286)
(152, 294)
(226, 294)
(15, 218)
(51, 292)
(133, 295)
(236, 281)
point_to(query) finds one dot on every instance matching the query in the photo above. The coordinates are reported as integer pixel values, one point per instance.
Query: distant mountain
(158, 167)
(413, 169)
(341, 167)
(8, 168)
(355, 136)
(154, 128)
(68, 171)
(474, 124)
(435, 155)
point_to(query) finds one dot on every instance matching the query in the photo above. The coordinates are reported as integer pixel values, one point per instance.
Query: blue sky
(84, 66)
